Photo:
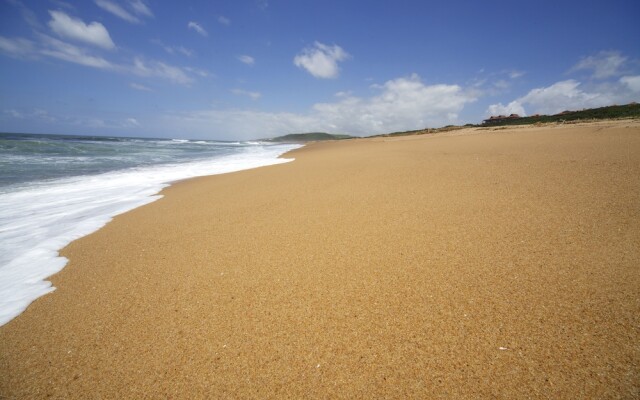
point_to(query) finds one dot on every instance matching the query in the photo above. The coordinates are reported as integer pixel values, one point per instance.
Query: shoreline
(34, 232)
(492, 263)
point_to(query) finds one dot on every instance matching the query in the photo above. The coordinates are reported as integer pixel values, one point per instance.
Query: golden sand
(478, 264)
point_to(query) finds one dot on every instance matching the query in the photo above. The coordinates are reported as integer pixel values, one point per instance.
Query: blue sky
(259, 68)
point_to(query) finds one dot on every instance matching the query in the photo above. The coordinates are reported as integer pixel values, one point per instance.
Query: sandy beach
(482, 263)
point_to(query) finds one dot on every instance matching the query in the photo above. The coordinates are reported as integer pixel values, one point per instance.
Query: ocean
(57, 188)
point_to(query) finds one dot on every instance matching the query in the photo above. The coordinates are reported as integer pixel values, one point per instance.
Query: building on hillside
(500, 118)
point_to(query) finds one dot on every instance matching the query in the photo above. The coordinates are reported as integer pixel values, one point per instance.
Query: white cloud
(117, 10)
(131, 122)
(321, 60)
(64, 51)
(140, 87)
(197, 71)
(224, 20)
(632, 82)
(604, 64)
(565, 95)
(180, 49)
(17, 47)
(31, 115)
(51, 47)
(516, 74)
(512, 108)
(14, 114)
(400, 104)
(159, 69)
(247, 59)
(174, 49)
(252, 95)
(94, 33)
(141, 8)
(63, 4)
(562, 96)
(196, 27)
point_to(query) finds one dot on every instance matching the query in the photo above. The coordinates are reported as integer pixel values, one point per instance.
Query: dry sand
(477, 264)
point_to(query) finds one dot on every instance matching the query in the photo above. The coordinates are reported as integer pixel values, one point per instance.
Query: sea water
(57, 188)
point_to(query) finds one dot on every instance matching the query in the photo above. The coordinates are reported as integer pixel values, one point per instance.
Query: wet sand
(476, 264)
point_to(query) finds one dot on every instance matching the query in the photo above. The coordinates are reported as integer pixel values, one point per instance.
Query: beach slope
(477, 264)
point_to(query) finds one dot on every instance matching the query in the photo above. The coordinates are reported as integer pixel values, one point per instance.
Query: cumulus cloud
(252, 95)
(321, 60)
(399, 104)
(512, 108)
(72, 28)
(247, 59)
(196, 27)
(562, 96)
(602, 65)
(117, 10)
(569, 95)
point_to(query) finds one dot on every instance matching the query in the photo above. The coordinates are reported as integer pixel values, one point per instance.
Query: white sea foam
(39, 220)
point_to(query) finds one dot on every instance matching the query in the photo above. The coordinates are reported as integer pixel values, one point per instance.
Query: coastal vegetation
(610, 112)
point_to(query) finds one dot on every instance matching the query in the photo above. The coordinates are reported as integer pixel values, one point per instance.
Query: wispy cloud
(196, 27)
(63, 4)
(137, 7)
(31, 114)
(65, 51)
(140, 87)
(68, 27)
(241, 92)
(321, 60)
(174, 49)
(158, 69)
(117, 10)
(17, 47)
(603, 65)
(54, 48)
(224, 20)
(140, 8)
(198, 71)
(247, 59)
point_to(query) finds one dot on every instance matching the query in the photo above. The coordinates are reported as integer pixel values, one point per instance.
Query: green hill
(307, 137)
